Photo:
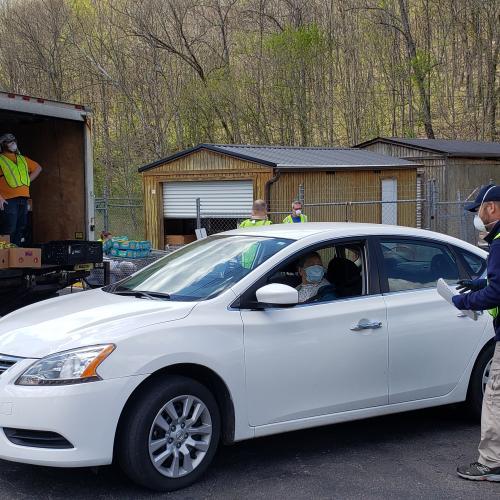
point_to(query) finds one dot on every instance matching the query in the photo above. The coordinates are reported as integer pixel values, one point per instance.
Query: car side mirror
(276, 294)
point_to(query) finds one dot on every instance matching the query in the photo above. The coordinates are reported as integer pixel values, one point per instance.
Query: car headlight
(68, 367)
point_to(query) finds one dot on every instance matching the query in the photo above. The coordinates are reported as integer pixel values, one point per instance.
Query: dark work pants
(14, 218)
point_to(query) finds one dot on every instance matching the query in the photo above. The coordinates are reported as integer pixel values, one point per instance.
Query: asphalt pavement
(404, 456)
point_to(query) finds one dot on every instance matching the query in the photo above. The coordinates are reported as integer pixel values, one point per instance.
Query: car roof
(341, 229)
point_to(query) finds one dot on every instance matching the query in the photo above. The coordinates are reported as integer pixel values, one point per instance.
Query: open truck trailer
(58, 137)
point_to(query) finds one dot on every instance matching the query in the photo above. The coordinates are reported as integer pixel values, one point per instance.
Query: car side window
(344, 273)
(413, 264)
(474, 264)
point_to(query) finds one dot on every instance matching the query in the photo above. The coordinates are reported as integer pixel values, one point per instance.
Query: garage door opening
(222, 205)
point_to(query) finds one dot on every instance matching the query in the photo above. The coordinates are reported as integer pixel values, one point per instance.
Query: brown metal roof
(452, 148)
(297, 158)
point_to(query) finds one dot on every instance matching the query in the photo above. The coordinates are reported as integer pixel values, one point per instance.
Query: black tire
(475, 392)
(132, 451)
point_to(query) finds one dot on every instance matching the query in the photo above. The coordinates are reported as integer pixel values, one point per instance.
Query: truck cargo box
(57, 136)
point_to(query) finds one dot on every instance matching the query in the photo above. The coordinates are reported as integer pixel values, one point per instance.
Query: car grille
(7, 361)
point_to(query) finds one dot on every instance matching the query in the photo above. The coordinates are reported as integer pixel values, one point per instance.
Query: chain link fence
(449, 216)
(423, 207)
(217, 223)
(120, 216)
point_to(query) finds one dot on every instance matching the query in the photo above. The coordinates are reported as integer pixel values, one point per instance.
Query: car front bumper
(85, 414)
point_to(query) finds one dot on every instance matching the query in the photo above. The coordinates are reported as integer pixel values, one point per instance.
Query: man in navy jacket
(485, 295)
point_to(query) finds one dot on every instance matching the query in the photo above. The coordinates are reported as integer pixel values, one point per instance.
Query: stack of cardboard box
(179, 239)
(19, 257)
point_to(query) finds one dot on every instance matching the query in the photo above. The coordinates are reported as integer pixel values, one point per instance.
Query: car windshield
(201, 270)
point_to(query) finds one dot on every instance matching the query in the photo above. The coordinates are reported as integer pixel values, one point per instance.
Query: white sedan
(211, 344)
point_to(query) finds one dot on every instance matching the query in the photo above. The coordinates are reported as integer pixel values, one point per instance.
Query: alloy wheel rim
(486, 375)
(180, 436)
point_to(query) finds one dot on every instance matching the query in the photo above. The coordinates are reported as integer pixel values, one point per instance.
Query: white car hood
(81, 319)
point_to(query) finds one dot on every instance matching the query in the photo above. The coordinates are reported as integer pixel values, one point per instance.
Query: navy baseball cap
(491, 192)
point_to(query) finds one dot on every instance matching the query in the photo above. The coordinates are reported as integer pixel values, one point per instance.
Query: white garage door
(219, 199)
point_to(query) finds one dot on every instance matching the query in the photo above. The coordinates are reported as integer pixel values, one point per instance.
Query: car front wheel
(170, 434)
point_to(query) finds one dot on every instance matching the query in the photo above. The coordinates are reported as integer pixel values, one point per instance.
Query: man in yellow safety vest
(296, 215)
(258, 218)
(484, 294)
(259, 215)
(17, 172)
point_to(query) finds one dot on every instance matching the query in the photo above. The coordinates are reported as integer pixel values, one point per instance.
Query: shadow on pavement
(408, 454)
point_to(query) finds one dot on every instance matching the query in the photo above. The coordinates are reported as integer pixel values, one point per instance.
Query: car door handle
(366, 324)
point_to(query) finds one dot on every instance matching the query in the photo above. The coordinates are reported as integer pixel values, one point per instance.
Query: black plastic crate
(71, 252)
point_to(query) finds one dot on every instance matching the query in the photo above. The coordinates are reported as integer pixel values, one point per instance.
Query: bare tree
(162, 75)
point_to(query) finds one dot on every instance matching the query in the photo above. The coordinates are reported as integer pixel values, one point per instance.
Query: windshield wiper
(142, 294)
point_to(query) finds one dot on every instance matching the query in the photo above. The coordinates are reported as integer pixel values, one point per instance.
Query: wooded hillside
(162, 75)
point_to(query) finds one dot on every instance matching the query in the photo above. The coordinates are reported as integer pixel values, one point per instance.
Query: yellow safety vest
(289, 219)
(496, 310)
(255, 223)
(248, 256)
(16, 174)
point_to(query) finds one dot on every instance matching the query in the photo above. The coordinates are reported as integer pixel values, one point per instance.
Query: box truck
(56, 135)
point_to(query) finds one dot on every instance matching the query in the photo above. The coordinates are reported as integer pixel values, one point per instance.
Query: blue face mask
(314, 274)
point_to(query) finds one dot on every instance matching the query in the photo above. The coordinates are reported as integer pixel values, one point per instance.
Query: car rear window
(475, 265)
(413, 264)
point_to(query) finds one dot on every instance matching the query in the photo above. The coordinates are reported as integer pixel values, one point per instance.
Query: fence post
(461, 219)
(302, 194)
(427, 205)
(435, 199)
(432, 208)
(198, 213)
(106, 210)
(106, 272)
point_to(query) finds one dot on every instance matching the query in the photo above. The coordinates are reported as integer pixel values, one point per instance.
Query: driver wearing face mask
(16, 174)
(485, 295)
(312, 272)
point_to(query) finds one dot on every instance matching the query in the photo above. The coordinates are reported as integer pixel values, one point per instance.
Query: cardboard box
(179, 239)
(4, 258)
(5, 237)
(25, 257)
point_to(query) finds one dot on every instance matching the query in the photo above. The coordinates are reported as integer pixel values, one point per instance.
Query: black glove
(471, 285)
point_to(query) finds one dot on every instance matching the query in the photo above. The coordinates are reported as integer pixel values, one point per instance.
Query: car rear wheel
(170, 434)
(479, 379)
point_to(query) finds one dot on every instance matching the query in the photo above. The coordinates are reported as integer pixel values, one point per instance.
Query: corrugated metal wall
(452, 175)
(465, 174)
(205, 161)
(341, 186)
(455, 179)
(399, 151)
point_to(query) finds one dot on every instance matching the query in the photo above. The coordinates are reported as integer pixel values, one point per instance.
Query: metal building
(227, 178)
(456, 166)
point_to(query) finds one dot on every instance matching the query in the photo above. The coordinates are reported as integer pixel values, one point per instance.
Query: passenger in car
(312, 273)
(354, 255)
(346, 277)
